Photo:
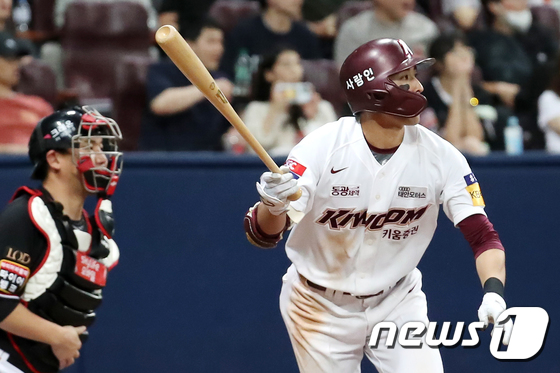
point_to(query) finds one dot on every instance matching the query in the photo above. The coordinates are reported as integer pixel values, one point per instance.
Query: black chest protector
(66, 287)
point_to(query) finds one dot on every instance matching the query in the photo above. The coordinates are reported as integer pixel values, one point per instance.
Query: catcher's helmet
(364, 76)
(75, 129)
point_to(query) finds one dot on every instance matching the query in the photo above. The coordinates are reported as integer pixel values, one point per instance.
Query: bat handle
(295, 196)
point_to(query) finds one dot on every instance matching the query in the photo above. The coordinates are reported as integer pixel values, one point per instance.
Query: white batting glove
(490, 309)
(275, 189)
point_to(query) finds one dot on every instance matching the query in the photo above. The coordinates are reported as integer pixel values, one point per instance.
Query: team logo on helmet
(61, 131)
(406, 50)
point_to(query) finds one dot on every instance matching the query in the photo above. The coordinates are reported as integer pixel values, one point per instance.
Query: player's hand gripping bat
(188, 62)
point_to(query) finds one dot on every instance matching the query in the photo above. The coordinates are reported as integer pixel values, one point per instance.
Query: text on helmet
(368, 73)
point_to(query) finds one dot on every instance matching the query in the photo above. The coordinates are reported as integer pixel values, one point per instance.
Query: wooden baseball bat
(188, 62)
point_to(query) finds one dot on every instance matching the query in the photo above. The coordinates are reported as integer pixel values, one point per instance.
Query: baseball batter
(372, 185)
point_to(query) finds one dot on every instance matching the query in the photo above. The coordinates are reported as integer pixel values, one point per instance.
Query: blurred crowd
(497, 70)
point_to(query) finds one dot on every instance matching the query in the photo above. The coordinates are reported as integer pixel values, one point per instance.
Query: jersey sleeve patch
(297, 169)
(474, 190)
(13, 276)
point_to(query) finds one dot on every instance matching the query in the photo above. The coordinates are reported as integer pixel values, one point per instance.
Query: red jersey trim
(98, 221)
(27, 190)
(16, 347)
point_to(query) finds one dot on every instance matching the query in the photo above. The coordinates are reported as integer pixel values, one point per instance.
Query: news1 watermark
(527, 337)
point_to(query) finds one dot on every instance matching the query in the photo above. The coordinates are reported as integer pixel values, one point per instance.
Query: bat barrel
(190, 65)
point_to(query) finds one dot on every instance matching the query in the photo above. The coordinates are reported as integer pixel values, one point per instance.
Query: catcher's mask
(89, 135)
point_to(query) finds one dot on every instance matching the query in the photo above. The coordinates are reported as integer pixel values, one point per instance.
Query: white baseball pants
(330, 332)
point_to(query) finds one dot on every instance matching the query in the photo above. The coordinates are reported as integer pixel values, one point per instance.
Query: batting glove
(490, 309)
(275, 189)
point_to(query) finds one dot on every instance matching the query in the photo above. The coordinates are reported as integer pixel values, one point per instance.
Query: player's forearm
(268, 223)
(26, 324)
(453, 129)
(473, 127)
(175, 100)
(491, 263)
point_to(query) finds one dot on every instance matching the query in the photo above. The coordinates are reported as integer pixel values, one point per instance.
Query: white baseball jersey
(367, 225)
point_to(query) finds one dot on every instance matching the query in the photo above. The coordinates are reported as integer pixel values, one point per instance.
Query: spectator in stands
(452, 98)
(390, 18)
(18, 113)
(5, 15)
(7, 25)
(515, 55)
(275, 26)
(549, 113)
(178, 116)
(282, 113)
(186, 15)
(464, 13)
(321, 18)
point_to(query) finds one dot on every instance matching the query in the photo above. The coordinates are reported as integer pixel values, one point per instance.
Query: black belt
(322, 288)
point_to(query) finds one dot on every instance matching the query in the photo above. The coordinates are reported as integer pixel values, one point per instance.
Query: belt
(322, 288)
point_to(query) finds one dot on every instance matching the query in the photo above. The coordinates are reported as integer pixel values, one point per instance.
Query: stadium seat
(351, 8)
(435, 9)
(38, 79)
(129, 97)
(43, 18)
(228, 13)
(324, 75)
(547, 15)
(94, 38)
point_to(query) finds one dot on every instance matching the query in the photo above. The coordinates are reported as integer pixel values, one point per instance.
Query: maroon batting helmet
(364, 76)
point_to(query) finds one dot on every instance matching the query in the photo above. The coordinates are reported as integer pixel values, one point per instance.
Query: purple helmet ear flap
(410, 105)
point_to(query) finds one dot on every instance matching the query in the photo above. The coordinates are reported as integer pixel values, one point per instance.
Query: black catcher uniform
(55, 266)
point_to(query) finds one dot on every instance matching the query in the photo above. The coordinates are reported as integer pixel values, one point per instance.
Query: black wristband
(494, 285)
